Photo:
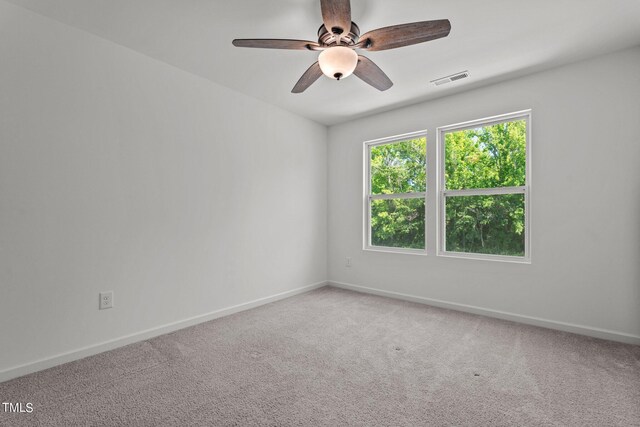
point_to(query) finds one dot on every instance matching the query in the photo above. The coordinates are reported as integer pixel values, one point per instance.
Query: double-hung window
(484, 188)
(395, 193)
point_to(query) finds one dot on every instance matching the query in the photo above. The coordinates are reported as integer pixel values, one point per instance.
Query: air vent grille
(459, 76)
(451, 78)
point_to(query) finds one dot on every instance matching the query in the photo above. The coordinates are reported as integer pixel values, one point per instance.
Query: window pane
(485, 224)
(399, 167)
(486, 157)
(398, 223)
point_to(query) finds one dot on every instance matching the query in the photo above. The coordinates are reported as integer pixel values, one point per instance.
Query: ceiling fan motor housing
(327, 38)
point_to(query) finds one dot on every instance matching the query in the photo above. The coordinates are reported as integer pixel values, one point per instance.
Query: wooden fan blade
(309, 77)
(276, 44)
(371, 74)
(336, 15)
(404, 35)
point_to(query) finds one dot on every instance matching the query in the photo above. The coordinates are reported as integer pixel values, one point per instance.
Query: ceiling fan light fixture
(338, 62)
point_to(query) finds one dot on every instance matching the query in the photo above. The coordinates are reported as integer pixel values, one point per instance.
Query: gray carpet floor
(333, 357)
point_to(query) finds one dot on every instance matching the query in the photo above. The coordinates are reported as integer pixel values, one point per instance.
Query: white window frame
(368, 197)
(525, 189)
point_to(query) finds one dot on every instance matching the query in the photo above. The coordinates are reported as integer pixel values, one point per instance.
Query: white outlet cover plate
(106, 300)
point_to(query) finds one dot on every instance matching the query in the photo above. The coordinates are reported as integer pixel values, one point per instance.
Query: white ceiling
(492, 39)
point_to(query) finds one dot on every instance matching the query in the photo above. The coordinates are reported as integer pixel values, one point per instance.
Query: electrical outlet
(348, 261)
(106, 300)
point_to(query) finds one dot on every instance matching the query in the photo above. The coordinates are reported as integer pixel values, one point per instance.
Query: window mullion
(485, 191)
(397, 196)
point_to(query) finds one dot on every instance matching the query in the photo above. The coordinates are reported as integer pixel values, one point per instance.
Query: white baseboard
(529, 320)
(81, 353)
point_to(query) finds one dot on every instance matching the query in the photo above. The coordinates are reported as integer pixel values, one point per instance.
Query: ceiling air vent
(451, 78)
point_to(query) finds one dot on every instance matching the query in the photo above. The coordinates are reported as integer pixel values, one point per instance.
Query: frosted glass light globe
(338, 62)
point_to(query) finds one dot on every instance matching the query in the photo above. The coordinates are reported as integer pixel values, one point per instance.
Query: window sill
(481, 257)
(395, 250)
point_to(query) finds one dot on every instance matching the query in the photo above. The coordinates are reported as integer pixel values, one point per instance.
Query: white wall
(119, 172)
(585, 270)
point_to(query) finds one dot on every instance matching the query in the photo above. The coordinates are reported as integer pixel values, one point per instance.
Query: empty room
(319, 213)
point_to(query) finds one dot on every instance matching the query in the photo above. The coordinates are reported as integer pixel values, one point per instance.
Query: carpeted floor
(333, 357)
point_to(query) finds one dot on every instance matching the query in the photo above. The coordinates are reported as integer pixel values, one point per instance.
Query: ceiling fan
(338, 37)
